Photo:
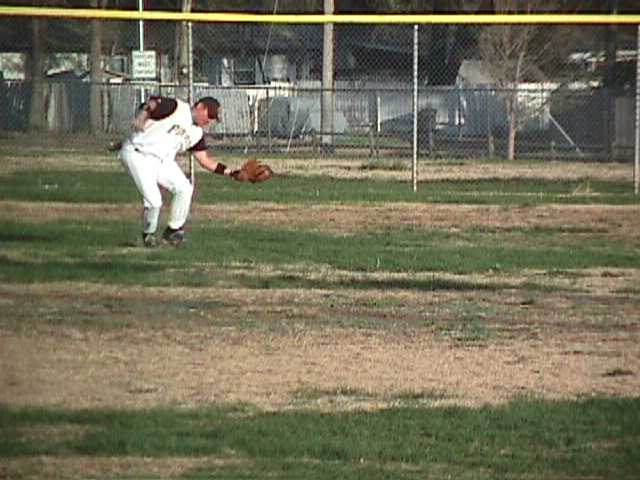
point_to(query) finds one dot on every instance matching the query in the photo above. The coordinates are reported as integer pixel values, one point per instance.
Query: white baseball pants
(149, 174)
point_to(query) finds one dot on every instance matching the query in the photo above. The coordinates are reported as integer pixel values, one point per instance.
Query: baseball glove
(252, 171)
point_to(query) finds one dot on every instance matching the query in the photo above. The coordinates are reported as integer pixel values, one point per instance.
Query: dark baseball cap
(212, 105)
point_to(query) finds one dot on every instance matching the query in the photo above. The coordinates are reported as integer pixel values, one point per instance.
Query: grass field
(328, 324)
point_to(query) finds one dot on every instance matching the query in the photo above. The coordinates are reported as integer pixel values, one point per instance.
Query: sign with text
(143, 64)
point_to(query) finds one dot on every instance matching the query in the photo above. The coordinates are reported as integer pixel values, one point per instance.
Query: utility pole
(328, 104)
(414, 163)
(182, 52)
(636, 160)
(611, 49)
(95, 86)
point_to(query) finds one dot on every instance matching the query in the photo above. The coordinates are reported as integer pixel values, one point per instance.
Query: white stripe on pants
(149, 173)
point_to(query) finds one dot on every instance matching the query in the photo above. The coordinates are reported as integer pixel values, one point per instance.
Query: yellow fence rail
(223, 17)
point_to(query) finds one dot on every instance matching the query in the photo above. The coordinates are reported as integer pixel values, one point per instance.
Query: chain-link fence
(549, 91)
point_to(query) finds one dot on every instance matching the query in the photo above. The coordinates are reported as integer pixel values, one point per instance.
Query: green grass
(594, 438)
(105, 252)
(528, 438)
(117, 187)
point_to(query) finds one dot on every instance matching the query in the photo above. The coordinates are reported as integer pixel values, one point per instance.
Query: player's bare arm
(207, 162)
(250, 171)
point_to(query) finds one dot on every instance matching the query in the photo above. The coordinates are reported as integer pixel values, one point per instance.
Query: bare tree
(523, 53)
(507, 53)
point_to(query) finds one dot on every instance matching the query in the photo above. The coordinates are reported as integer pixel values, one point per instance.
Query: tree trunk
(328, 101)
(611, 49)
(95, 95)
(513, 125)
(37, 112)
(512, 108)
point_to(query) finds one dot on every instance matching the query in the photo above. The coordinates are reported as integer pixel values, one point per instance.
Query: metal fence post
(141, 45)
(192, 166)
(414, 166)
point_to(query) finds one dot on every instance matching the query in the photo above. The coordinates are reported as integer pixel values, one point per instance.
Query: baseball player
(163, 127)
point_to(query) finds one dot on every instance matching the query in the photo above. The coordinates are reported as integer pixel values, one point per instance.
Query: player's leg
(173, 179)
(144, 172)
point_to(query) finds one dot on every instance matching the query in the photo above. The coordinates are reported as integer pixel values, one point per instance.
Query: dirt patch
(429, 170)
(468, 346)
(338, 218)
(275, 346)
(72, 467)
(623, 220)
(134, 368)
(472, 346)
(88, 153)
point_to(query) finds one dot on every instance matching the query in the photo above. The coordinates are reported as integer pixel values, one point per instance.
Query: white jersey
(167, 137)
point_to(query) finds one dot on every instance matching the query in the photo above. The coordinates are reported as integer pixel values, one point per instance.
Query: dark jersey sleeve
(164, 107)
(200, 146)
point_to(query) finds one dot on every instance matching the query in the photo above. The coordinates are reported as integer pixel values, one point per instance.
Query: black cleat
(174, 237)
(149, 240)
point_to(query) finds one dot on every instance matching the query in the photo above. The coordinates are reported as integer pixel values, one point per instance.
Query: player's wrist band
(220, 168)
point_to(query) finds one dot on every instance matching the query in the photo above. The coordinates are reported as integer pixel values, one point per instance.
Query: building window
(244, 71)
